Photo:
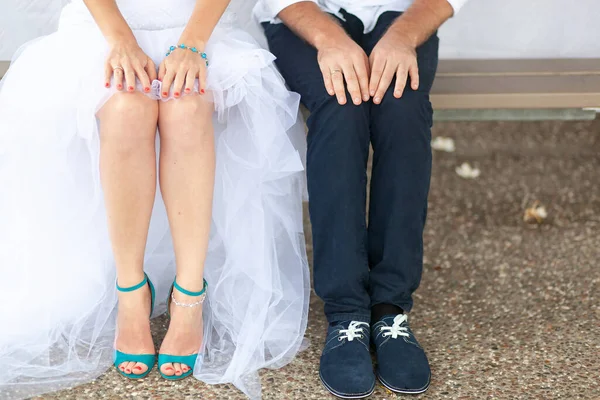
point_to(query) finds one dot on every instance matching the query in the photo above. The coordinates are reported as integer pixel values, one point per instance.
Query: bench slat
(517, 84)
(583, 66)
(3, 68)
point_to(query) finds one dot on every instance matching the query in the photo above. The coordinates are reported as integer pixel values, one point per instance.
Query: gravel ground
(506, 310)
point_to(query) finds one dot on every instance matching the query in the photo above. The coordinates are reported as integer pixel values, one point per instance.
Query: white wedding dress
(57, 278)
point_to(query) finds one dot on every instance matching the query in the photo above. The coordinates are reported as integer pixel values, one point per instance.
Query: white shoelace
(396, 330)
(354, 331)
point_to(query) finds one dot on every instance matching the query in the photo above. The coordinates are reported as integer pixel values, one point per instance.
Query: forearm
(110, 20)
(205, 17)
(309, 22)
(422, 19)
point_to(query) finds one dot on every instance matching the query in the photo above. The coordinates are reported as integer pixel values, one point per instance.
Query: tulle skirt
(57, 277)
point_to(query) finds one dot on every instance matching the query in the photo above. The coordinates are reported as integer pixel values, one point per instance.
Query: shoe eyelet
(340, 339)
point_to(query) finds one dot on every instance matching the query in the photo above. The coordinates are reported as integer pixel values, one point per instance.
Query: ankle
(130, 278)
(190, 282)
(379, 311)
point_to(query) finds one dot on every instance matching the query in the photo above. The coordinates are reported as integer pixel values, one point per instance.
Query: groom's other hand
(343, 63)
(344, 60)
(395, 55)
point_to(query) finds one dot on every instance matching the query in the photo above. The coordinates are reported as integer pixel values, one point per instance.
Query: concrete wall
(483, 29)
(523, 29)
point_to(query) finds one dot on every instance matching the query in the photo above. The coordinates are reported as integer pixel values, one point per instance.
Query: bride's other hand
(179, 71)
(126, 60)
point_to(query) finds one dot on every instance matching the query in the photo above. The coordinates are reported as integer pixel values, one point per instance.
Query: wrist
(328, 39)
(192, 41)
(405, 35)
(122, 38)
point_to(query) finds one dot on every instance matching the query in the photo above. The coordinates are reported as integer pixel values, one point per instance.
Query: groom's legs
(401, 135)
(338, 149)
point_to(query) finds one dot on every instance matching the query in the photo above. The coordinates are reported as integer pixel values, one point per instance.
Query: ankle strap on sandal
(190, 293)
(134, 287)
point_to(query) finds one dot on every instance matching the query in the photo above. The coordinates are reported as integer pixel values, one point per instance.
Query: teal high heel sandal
(147, 359)
(190, 360)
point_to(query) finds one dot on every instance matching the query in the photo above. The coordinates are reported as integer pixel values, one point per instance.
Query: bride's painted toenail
(138, 367)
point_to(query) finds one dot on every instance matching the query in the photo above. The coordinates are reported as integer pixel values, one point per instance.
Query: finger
(167, 82)
(401, 77)
(129, 77)
(362, 73)
(202, 80)
(142, 75)
(190, 80)
(327, 79)
(179, 82)
(151, 70)
(338, 86)
(162, 70)
(118, 78)
(384, 83)
(108, 73)
(413, 72)
(377, 68)
(352, 84)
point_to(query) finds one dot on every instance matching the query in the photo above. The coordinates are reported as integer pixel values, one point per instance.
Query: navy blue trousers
(359, 264)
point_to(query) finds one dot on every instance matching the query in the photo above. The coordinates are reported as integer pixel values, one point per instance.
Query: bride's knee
(129, 116)
(187, 120)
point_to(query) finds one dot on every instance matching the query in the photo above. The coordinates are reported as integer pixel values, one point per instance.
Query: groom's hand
(342, 60)
(394, 55)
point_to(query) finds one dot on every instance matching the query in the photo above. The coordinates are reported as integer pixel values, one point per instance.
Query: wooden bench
(517, 89)
(3, 68)
(512, 89)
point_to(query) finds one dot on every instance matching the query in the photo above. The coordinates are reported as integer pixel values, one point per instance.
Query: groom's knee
(345, 123)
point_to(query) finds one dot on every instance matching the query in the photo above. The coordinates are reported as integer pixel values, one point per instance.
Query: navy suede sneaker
(346, 368)
(402, 365)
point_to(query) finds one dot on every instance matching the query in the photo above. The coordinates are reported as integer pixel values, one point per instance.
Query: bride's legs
(187, 169)
(128, 173)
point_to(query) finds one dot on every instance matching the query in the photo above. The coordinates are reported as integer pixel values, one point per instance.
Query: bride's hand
(127, 60)
(180, 69)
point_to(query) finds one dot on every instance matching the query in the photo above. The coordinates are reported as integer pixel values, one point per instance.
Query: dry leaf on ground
(535, 214)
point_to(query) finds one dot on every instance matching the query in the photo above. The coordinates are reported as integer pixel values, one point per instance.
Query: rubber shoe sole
(404, 391)
(345, 395)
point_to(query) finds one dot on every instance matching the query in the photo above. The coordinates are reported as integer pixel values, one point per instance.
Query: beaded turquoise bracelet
(192, 49)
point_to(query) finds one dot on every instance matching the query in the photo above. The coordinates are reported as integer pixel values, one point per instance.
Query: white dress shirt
(368, 11)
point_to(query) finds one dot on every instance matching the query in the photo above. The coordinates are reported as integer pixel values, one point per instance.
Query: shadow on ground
(505, 310)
